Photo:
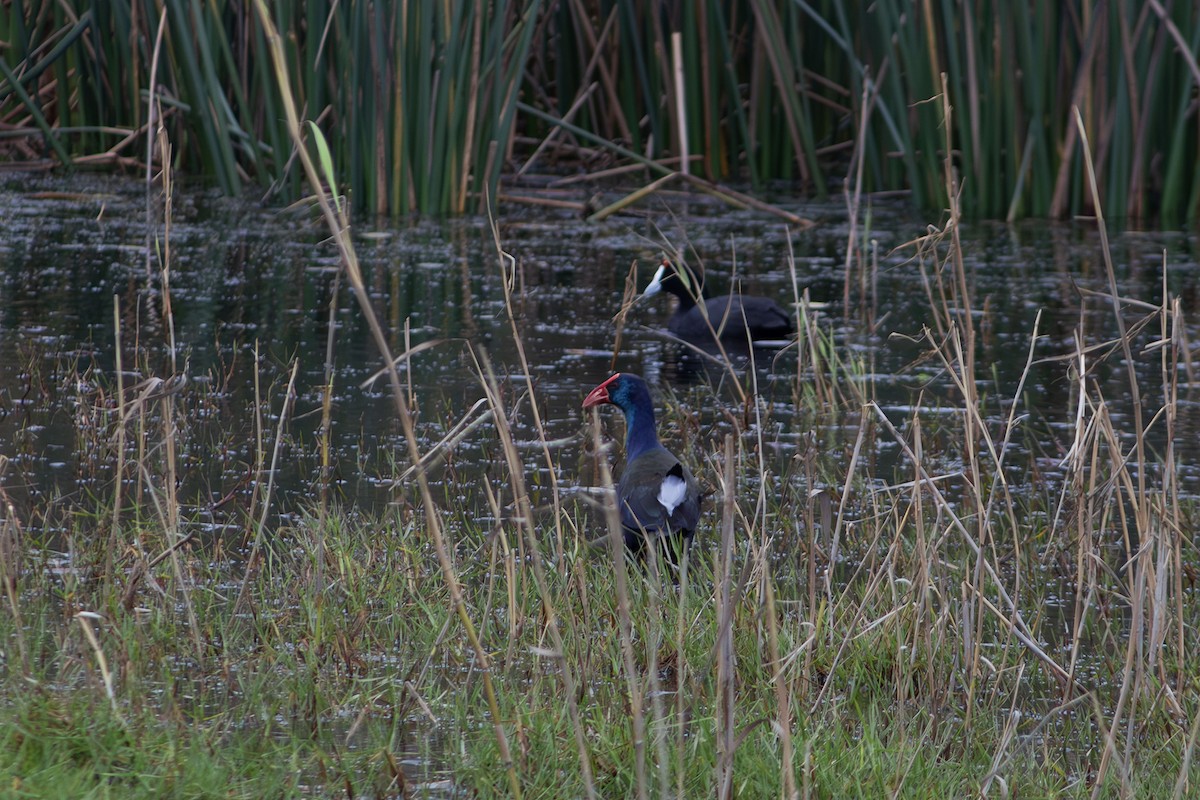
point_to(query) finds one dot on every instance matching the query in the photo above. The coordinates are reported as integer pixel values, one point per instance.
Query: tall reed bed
(804, 90)
(418, 96)
(428, 103)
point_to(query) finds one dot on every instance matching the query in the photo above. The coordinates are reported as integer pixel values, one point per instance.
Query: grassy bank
(428, 104)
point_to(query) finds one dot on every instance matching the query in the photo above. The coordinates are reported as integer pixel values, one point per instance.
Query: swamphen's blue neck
(633, 398)
(640, 436)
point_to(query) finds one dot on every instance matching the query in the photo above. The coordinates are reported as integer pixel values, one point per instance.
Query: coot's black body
(734, 318)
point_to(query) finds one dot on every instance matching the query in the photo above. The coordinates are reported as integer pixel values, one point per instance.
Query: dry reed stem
(854, 199)
(1002, 755)
(539, 426)
(664, 164)
(624, 617)
(783, 720)
(10, 568)
(723, 655)
(405, 356)
(629, 298)
(843, 504)
(260, 453)
(741, 200)
(175, 381)
(581, 97)
(1017, 622)
(681, 127)
(468, 149)
(459, 431)
(325, 433)
(119, 470)
(85, 618)
(285, 410)
(516, 470)
(681, 679)
(338, 226)
(1185, 763)
(153, 116)
(1132, 678)
(500, 542)
(633, 197)
(583, 19)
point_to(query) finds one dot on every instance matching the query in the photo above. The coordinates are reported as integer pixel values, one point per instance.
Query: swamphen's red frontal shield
(657, 495)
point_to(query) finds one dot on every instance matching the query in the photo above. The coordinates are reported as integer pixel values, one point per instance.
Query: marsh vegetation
(431, 102)
(341, 530)
(942, 552)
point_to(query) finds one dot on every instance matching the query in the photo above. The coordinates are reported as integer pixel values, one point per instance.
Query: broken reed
(420, 99)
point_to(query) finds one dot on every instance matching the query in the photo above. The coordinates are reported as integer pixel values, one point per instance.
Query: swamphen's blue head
(629, 393)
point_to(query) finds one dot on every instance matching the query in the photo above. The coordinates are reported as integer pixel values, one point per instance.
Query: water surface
(251, 291)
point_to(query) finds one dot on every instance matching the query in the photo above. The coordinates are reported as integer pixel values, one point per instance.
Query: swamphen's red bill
(599, 395)
(657, 495)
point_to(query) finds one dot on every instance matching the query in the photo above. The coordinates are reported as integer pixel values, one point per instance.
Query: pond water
(251, 291)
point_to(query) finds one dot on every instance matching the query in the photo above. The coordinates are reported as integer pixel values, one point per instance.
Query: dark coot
(735, 318)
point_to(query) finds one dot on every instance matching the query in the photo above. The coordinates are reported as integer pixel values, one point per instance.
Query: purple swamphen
(735, 318)
(658, 496)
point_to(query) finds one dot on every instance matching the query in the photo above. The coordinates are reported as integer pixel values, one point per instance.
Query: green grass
(74, 745)
(263, 701)
(323, 680)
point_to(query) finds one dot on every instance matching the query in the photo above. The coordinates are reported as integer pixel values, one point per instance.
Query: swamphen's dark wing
(659, 495)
